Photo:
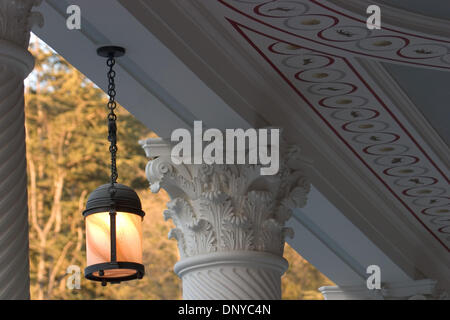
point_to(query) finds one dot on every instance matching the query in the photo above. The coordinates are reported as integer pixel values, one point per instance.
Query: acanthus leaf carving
(220, 208)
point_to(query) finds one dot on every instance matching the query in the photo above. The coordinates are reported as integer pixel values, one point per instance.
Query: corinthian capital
(17, 19)
(220, 208)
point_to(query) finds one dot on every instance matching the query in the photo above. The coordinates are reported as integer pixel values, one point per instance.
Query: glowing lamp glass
(114, 235)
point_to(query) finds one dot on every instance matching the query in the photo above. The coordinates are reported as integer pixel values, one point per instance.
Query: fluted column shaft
(15, 64)
(232, 275)
(229, 222)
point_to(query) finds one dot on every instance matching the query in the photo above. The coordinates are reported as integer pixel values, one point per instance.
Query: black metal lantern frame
(113, 197)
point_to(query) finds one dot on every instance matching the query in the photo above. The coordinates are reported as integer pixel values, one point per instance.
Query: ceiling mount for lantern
(113, 212)
(111, 51)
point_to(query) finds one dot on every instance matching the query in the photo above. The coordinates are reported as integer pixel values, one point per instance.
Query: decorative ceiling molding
(345, 33)
(398, 17)
(372, 129)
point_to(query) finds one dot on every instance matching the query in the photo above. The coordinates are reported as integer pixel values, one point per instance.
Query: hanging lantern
(113, 214)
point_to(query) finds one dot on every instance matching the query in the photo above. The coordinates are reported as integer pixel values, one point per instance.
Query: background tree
(68, 157)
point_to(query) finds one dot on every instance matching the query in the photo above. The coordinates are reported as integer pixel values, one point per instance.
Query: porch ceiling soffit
(385, 171)
(153, 81)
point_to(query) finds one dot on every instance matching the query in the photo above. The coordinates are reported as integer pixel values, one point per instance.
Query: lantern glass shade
(128, 241)
(114, 235)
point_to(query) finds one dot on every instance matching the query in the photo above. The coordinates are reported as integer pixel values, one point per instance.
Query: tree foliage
(67, 153)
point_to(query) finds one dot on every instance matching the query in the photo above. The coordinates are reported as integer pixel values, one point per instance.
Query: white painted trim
(396, 290)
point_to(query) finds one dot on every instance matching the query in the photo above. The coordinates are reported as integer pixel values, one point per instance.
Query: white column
(425, 289)
(16, 63)
(229, 222)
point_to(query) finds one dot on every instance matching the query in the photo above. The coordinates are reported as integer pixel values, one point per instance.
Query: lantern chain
(112, 127)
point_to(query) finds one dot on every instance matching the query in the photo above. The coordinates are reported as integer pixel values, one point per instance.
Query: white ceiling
(430, 92)
(428, 89)
(434, 8)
